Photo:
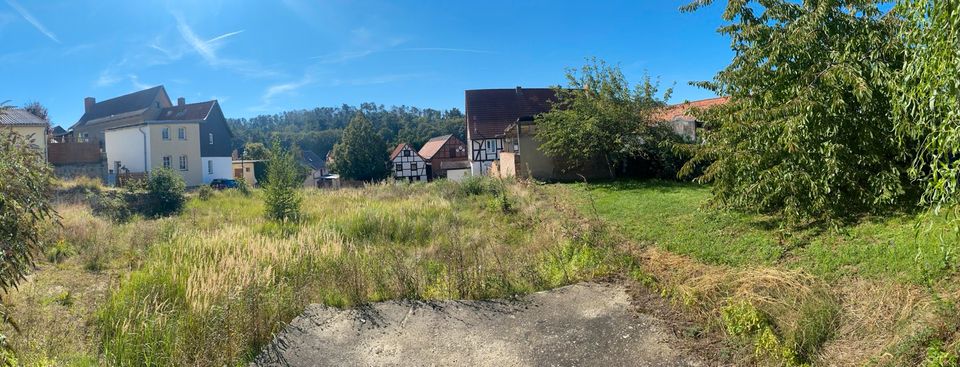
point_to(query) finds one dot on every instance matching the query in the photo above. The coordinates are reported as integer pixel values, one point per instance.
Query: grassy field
(210, 287)
(882, 291)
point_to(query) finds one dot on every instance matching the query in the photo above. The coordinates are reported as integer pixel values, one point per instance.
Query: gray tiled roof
(20, 118)
(126, 103)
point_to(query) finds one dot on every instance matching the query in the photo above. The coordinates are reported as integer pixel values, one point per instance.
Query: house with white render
(143, 130)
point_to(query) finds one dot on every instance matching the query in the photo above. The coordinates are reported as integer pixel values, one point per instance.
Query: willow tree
(928, 95)
(808, 133)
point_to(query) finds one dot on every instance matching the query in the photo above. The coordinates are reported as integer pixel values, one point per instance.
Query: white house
(407, 164)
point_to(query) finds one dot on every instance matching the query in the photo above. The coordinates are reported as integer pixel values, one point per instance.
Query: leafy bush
(243, 187)
(807, 134)
(283, 181)
(24, 210)
(112, 205)
(166, 192)
(205, 192)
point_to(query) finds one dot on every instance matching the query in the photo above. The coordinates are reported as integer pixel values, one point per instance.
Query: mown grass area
(677, 217)
(211, 286)
(881, 291)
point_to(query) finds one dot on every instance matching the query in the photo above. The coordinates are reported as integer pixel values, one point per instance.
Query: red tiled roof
(186, 112)
(682, 111)
(433, 146)
(490, 111)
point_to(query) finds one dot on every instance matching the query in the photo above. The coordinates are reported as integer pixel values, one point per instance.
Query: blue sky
(261, 57)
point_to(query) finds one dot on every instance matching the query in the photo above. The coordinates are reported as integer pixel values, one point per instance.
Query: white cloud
(107, 78)
(32, 20)
(276, 89)
(135, 81)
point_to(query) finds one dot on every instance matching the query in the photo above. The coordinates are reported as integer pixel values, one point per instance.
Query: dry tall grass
(227, 279)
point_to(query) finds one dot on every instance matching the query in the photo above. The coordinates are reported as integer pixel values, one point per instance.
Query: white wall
(127, 146)
(222, 168)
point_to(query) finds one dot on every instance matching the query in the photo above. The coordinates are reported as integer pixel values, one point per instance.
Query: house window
(247, 168)
(165, 133)
(182, 133)
(166, 161)
(210, 167)
(406, 153)
(491, 145)
(211, 138)
(399, 167)
(183, 163)
(413, 166)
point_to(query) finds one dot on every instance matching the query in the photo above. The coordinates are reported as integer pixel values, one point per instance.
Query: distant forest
(320, 128)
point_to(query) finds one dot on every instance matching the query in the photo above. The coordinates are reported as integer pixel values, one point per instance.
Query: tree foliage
(361, 154)
(166, 192)
(600, 117)
(255, 151)
(37, 109)
(281, 191)
(319, 129)
(808, 132)
(928, 94)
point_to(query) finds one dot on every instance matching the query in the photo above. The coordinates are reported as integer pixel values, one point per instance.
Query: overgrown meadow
(211, 286)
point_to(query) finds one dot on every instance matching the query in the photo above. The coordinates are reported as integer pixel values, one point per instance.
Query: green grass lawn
(677, 217)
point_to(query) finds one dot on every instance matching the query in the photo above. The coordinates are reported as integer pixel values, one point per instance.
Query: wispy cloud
(135, 81)
(107, 78)
(266, 101)
(32, 20)
(223, 36)
(446, 49)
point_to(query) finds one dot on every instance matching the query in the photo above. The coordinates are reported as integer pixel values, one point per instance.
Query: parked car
(223, 183)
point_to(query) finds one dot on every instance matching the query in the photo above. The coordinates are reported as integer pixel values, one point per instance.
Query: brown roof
(434, 145)
(192, 111)
(490, 111)
(20, 117)
(397, 150)
(682, 111)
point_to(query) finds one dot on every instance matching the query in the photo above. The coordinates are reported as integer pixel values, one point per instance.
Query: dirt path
(586, 324)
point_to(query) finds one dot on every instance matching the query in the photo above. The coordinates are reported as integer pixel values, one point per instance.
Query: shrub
(242, 187)
(166, 192)
(110, 204)
(59, 251)
(205, 193)
(283, 180)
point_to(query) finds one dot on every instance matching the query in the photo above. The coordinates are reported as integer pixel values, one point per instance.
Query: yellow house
(144, 147)
(246, 169)
(26, 124)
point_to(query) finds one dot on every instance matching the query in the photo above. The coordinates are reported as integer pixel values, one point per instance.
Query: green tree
(361, 154)
(255, 151)
(281, 191)
(808, 132)
(928, 96)
(24, 209)
(166, 192)
(600, 117)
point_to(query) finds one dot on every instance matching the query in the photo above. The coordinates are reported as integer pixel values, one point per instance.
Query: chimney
(519, 91)
(181, 101)
(88, 103)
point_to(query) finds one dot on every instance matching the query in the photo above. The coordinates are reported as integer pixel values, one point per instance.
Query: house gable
(406, 163)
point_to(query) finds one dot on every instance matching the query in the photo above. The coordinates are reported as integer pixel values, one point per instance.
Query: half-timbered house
(407, 164)
(490, 111)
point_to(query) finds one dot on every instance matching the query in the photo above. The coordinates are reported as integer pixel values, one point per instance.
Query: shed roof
(434, 145)
(20, 117)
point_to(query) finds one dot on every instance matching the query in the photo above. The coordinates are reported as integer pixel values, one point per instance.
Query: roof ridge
(131, 93)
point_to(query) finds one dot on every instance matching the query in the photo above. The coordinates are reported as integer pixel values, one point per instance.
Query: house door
(237, 173)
